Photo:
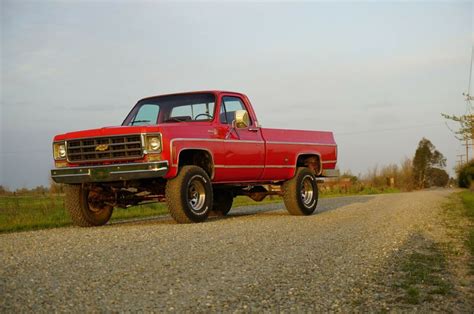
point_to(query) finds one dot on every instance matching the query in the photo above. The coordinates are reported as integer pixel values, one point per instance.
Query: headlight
(59, 151)
(153, 144)
(62, 151)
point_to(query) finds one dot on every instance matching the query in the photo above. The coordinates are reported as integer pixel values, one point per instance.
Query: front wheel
(300, 194)
(189, 195)
(85, 208)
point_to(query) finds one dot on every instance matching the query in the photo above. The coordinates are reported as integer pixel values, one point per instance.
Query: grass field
(467, 198)
(39, 212)
(355, 190)
(31, 212)
(460, 221)
(18, 213)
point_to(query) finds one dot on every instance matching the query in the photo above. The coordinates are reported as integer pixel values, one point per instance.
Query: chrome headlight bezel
(153, 143)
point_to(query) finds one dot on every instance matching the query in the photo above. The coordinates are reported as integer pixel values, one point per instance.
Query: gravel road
(258, 258)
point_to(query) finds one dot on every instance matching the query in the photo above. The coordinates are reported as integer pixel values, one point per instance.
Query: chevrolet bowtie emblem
(102, 147)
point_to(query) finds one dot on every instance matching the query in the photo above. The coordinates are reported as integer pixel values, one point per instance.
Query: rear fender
(311, 160)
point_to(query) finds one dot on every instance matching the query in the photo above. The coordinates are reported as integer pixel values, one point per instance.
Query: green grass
(18, 213)
(32, 212)
(460, 219)
(467, 199)
(366, 190)
(412, 295)
(423, 275)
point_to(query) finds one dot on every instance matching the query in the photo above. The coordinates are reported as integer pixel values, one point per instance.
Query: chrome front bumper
(108, 173)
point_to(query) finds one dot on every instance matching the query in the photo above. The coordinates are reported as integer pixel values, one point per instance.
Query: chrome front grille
(105, 148)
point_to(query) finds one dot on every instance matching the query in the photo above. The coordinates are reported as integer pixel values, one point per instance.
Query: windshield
(173, 108)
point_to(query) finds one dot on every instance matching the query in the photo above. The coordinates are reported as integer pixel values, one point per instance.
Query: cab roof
(215, 92)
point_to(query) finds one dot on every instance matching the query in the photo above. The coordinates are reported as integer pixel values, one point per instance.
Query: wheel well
(197, 157)
(312, 161)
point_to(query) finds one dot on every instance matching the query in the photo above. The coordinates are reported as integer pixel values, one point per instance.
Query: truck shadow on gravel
(271, 209)
(278, 209)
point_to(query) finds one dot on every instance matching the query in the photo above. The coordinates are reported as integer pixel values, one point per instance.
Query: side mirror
(241, 119)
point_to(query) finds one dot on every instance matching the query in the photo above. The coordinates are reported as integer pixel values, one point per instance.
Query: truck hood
(107, 131)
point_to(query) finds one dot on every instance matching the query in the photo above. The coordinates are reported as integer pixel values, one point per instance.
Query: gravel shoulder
(258, 258)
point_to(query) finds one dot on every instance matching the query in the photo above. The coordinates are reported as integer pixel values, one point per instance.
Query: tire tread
(73, 203)
(291, 193)
(174, 194)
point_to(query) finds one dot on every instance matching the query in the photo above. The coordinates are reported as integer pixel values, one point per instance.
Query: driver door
(244, 145)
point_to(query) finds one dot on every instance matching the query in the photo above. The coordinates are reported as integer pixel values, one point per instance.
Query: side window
(147, 114)
(228, 108)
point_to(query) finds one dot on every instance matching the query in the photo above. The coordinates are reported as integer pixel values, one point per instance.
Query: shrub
(466, 175)
(395, 176)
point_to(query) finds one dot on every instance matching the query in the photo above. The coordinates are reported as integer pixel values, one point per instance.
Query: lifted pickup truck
(196, 151)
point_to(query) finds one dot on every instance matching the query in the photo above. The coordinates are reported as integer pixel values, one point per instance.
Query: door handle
(253, 129)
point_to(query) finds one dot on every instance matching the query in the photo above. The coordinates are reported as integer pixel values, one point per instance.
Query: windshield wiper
(139, 121)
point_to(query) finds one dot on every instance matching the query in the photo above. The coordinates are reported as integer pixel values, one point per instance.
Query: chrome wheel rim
(307, 191)
(196, 195)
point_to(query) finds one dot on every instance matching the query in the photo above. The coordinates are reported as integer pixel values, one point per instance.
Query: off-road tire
(222, 204)
(293, 195)
(178, 198)
(78, 207)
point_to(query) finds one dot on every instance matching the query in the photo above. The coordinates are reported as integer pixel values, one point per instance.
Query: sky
(377, 74)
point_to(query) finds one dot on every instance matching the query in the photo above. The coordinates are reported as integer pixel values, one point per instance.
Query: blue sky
(377, 74)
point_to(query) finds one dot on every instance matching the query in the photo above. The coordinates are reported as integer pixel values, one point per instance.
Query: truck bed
(283, 147)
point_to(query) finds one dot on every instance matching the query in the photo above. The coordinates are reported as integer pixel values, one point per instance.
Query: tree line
(425, 169)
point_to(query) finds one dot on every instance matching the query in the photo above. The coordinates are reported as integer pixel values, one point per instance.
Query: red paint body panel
(284, 146)
(252, 154)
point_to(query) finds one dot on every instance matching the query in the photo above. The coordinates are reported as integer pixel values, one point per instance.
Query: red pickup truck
(196, 151)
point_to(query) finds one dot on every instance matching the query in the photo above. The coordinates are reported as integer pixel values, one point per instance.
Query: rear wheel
(189, 195)
(300, 194)
(83, 207)
(223, 200)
